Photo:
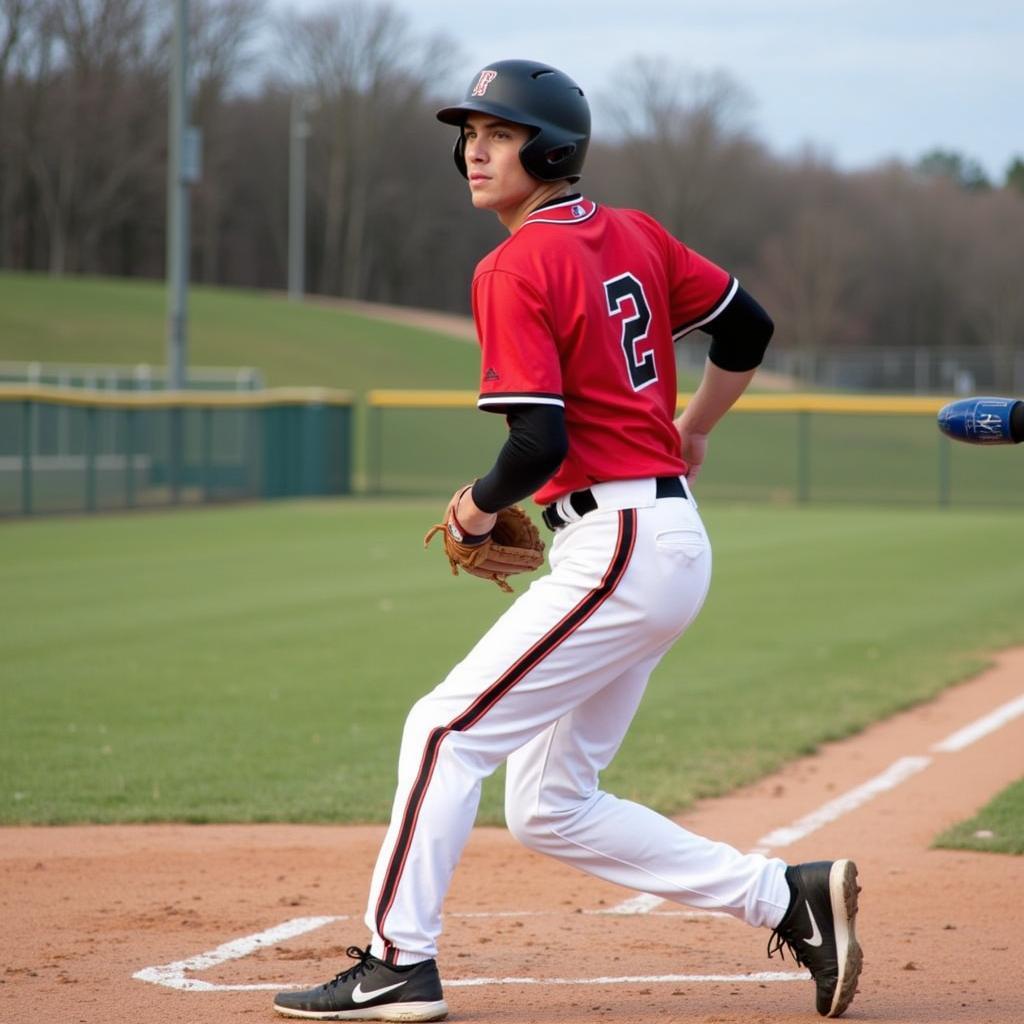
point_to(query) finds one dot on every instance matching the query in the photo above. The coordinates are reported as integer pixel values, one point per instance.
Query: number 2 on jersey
(642, 370)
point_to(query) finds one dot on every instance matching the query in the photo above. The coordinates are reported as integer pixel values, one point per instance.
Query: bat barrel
(983, 420)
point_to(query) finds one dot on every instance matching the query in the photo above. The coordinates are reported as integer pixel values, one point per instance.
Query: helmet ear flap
(555, 156)
(459, 155)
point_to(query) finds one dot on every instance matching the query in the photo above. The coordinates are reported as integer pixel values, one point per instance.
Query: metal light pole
(299, 131)
(182, 171)
(183, 168)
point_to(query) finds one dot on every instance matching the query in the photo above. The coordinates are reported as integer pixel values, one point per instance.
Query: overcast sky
(863, 80)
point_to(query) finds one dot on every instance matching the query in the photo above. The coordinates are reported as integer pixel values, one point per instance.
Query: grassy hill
(109, 320)
(115, 320)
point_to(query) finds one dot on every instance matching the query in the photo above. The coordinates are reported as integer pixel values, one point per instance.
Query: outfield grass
(998, 827)
(256, 663)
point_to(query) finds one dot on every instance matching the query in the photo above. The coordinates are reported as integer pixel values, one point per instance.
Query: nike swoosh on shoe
(815, 939)
(359, 996)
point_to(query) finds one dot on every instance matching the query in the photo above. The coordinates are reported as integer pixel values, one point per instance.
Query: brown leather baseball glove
(514, 545)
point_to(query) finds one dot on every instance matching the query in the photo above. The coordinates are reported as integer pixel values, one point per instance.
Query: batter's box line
(173, 975)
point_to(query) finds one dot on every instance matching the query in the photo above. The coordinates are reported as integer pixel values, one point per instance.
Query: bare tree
(912, 284)
(809, 267)
(12, 26)
(365, 68)
(990, 285)
(687, 133)
(98, 74)
(221, 51)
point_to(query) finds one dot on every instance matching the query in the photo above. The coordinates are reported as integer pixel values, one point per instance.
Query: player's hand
(473, 520)
(693, 447)
(505, 543)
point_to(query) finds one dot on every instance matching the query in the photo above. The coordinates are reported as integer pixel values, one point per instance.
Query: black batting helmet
(540, 97)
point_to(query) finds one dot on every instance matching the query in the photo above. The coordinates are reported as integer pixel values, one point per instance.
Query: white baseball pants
(552, 688)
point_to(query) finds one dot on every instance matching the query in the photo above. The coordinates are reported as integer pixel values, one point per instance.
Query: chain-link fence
(138, 377)
(72, 450)
(792, 448)
(900, 370)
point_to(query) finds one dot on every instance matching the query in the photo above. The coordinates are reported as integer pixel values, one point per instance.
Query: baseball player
(576, 313)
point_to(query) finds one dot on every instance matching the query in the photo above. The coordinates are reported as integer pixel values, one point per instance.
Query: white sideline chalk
(173, 975)
(655, 979)
(636, 979)
(982, 727)
(835, 809)
(635, 905)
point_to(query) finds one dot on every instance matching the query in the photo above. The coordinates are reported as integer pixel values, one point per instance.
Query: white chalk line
(586, 913)
(630, 979)
(641, 904)
(172, 975)
(761, 977)
(895, 774)
(982, 727)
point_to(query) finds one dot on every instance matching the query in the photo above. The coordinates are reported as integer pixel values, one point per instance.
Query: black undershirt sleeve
(739, 334)
(536, 445)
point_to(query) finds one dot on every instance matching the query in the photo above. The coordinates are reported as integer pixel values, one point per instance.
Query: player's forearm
(718, 391)
(537, 443)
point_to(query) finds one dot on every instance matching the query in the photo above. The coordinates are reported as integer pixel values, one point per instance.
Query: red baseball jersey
(580, 308)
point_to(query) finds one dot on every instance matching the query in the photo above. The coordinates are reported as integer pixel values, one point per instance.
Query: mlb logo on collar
(485, 79)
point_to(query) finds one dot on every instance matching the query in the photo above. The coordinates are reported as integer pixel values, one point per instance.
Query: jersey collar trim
(574, 210)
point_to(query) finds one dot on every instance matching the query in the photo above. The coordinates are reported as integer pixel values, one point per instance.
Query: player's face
(497, 179)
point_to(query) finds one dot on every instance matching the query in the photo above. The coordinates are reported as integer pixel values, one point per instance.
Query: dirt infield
(204, 913)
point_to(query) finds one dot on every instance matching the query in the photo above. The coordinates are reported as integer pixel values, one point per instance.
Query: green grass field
(998, 827)
(255, 663)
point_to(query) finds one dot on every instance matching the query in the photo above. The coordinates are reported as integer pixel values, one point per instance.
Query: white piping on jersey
(532, 219)
(711, 316)
(520, 400)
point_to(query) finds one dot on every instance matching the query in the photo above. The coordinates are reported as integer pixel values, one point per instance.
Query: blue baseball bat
(984, 420)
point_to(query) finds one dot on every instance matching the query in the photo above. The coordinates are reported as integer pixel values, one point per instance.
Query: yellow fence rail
(796, 402)
(806, 446)
(94, 398)
(79, 449)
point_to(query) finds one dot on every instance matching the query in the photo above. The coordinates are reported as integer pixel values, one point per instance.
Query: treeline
(928, 255)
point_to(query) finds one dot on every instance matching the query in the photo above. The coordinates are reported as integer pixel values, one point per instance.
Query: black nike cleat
(818, 930)
(371, 990)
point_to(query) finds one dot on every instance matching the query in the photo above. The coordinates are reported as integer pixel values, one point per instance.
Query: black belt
(582, 502)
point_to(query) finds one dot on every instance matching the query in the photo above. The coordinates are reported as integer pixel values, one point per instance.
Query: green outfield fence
(78, 450)
(785, 448)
